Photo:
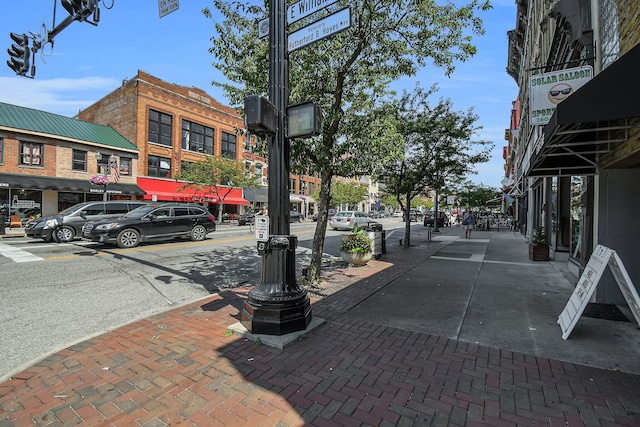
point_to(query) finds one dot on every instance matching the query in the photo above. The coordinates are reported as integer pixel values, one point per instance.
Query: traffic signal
(81, 9)
(19, 54)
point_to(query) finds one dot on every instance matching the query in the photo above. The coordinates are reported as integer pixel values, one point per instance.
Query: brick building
(574, 152)
(48, 160)
(173, 125)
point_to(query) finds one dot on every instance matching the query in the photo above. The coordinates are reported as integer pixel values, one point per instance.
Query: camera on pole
(19, 54)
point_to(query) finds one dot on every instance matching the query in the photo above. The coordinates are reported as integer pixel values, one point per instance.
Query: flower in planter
(99, 180)
(356, 242)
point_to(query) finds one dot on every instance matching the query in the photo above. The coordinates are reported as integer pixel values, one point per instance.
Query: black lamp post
(278, 305)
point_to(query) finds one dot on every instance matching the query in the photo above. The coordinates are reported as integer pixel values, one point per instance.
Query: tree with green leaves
(473, 196)
(438, 149)
(217, 175)
(345, 193)
(348, 74)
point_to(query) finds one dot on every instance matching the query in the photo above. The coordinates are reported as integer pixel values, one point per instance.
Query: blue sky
(88, 62)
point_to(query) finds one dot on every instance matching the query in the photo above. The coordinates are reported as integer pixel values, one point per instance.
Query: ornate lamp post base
(278, 305)
(277, 318)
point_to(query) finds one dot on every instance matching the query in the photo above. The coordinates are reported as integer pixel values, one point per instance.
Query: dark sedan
(295, 216)
(443, 219)
(156, 221)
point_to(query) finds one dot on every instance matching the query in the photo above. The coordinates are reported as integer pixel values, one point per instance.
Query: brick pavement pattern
(181, 368)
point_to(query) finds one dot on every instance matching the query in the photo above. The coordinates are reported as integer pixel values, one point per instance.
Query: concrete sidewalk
(449, 332)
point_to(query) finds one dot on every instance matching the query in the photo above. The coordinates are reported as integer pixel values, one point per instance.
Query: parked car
(68, 223)
(443, 219)
(414, 215)
(295, 216)
(154, 221)
(380, 214)
(397, 214)
(384, 213)
(348, 220)
(330, 213)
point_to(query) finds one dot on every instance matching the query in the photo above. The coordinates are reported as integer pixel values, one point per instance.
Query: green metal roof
(28, 119)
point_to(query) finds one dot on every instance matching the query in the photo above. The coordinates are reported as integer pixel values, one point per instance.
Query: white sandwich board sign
(600, 259)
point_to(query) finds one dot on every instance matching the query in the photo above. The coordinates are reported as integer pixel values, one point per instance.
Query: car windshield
(139, 212)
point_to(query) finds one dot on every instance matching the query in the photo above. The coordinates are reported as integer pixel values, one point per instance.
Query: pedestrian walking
(468, 222)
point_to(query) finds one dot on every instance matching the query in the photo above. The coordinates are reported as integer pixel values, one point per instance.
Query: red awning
(170, 191)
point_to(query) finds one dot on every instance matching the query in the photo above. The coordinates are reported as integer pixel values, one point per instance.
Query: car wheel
(198, 233)
(128, 238)
(299, 219)
(64, 234)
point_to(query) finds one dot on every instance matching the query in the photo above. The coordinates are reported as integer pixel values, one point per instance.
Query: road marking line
(18, 255)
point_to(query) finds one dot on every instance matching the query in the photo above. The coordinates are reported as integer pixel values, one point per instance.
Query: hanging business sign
(549, 89)
(600, 259)
(320, 29)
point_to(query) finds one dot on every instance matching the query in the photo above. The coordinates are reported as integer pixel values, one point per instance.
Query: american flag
(115, 171)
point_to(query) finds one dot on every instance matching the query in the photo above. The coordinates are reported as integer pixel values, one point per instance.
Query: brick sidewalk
(182, 368)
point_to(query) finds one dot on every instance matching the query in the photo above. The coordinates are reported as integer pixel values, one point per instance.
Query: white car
(397, 214)
(348, 220)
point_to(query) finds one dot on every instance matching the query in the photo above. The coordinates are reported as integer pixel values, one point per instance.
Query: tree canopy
(217, 175)
(348, 74)
(439, 148)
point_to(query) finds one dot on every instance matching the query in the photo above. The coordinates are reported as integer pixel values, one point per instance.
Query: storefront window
(554, 211)
(66, 200)
(578, 189)
(26, 203)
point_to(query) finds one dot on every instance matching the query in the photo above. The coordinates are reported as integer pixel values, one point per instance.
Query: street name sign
(320, 29)
(165, 7)
(304, 8)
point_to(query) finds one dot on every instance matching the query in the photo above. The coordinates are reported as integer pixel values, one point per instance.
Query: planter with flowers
(356, 248)
(539, 247)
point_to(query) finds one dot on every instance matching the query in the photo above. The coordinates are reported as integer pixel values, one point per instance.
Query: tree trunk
(407, 224)
(315, 267)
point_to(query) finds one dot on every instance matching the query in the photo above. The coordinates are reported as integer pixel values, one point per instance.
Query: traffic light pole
(278, 305)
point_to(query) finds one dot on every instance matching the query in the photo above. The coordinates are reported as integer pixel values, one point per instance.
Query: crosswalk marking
(17, 254)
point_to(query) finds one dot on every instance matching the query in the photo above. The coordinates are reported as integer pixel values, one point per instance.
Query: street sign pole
(278, 305)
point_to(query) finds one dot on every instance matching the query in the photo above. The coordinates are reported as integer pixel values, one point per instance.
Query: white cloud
(61, 95)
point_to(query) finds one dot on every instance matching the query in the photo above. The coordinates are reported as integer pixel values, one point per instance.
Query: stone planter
(539, 253)
(356, 258)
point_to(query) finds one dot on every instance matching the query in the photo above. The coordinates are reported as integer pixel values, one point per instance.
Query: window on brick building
(228, 145)
(79, 161)
(31, 154)
(160, 128)
(1, 150)
(292, 185)
(184, 165)
(125, 166)
(159, 167)
(197, 137)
